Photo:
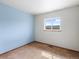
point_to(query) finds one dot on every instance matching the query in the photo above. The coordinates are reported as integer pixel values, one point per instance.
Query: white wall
(68, 37)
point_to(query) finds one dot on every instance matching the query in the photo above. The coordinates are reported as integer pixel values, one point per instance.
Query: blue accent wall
(16, 28)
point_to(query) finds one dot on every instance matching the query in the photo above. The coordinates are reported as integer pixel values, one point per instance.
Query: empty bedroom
(39, 29)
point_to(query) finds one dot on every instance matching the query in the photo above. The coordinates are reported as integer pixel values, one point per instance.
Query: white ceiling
(40, 6)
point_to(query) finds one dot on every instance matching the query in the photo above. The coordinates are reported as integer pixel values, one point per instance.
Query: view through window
(52, 23)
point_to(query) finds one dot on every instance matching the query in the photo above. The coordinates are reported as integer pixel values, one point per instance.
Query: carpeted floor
(38, 50)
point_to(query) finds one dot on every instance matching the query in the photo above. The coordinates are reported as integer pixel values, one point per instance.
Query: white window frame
(56, 30)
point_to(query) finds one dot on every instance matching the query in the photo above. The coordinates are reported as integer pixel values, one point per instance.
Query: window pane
(48, 27)
(52, 21)
(48, 21)
(56, 27)
(56, 21)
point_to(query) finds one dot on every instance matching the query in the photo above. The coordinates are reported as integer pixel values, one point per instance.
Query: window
(52, 24)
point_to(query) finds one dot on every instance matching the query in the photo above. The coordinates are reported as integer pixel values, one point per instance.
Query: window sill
(53, 30)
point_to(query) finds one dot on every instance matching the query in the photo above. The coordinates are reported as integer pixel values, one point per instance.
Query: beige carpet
(38, 50)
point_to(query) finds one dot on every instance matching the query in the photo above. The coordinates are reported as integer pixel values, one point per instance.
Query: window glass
(52, 23)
